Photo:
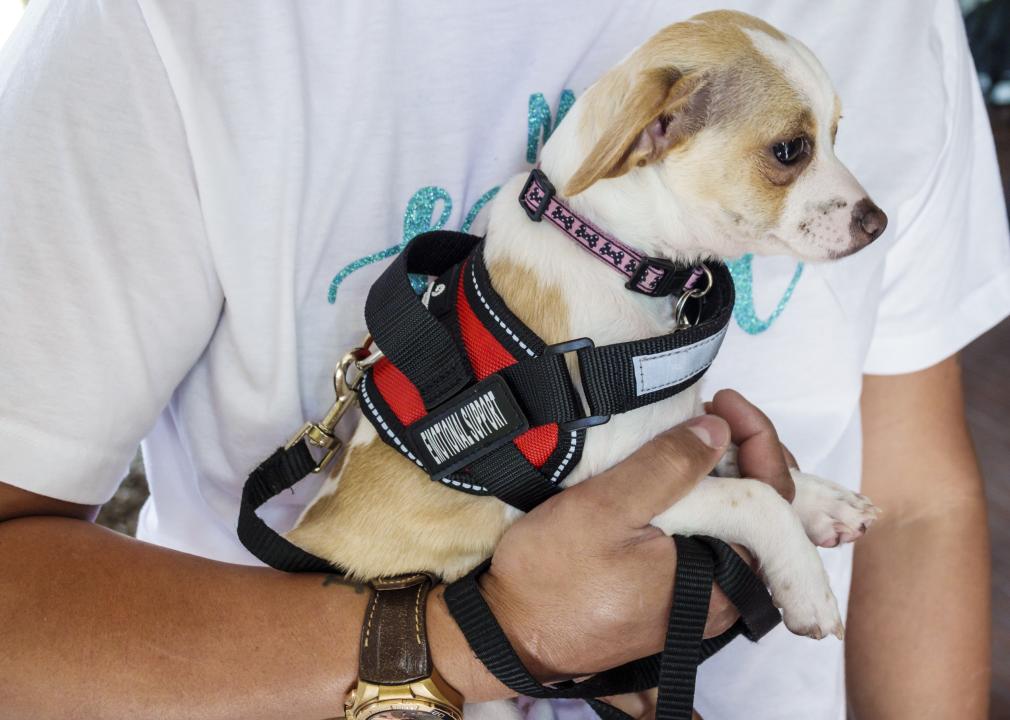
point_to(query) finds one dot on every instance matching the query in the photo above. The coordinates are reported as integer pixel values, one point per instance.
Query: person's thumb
(661, 472)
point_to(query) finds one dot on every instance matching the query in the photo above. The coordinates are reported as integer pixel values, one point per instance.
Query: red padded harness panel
(399, 393)
(487, 356)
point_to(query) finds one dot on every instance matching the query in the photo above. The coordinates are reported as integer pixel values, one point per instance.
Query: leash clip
(322, 434)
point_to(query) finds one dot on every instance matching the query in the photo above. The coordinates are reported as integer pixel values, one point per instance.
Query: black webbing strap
(758, 615)
(678, 669)
(609, 372)
(700, 560)
(411, 337)
(510, 477)
(544, 387)
(274, 475)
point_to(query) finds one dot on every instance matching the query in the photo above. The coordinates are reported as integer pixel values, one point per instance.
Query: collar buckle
(662, 285)
(537, 195)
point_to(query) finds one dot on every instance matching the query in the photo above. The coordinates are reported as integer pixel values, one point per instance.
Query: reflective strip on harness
(665, 369)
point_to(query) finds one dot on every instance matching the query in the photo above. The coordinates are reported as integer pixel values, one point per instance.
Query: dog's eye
(789, 152)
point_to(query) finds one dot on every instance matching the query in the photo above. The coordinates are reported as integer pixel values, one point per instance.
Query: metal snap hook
(322, 434)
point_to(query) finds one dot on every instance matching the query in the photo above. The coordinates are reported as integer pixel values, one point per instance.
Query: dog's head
(734, 124)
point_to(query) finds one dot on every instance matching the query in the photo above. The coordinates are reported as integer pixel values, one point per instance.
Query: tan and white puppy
(713, 139)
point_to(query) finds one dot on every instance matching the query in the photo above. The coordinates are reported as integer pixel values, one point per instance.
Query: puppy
(712, 140)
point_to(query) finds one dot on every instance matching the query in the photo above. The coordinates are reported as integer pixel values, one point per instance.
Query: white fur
(816, 220)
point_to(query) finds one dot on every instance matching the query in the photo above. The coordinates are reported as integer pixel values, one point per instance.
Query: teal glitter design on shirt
(744, 312)
(421, 207)
(477, 207)
(539, 124)
(416, 220)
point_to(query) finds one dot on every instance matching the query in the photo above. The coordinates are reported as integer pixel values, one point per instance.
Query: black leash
(421, 344)
(700, 562)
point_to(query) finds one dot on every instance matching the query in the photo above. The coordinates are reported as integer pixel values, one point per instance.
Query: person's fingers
(660, 472)
(790, 458)
(760, 452)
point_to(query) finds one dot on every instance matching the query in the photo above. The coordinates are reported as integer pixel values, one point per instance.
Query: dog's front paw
(802, 590)
(812, 612)
(831, 514)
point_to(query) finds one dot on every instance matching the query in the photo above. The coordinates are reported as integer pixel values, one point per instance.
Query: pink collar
(652, 276)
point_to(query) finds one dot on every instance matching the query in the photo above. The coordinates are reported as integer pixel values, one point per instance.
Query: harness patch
(477, 421)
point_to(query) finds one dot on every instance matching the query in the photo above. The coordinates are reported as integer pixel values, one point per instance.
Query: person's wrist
(452, 657)
(536, 648)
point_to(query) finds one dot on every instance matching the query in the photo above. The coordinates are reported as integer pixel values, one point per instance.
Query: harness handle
(411, 337)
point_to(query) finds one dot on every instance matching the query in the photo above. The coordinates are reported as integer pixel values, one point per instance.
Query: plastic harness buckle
(575, 346)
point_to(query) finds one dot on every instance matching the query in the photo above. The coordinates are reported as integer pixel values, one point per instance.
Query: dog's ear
(663, 109)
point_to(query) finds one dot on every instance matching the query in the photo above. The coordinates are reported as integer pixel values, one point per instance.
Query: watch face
(403, 714)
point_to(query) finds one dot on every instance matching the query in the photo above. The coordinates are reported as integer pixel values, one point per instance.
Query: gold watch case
(429, 699)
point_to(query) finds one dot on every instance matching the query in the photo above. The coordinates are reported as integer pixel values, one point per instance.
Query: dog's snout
(868, 222)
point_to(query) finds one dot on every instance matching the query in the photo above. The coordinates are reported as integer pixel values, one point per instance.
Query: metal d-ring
(684, 322)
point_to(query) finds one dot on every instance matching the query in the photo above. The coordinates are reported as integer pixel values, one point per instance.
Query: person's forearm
(95, 625)
(917, 642)
(917, 638)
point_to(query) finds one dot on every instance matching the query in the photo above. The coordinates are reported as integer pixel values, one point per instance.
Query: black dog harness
(463, 389)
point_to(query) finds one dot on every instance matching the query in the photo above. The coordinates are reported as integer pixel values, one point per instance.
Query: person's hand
(760, 455)
(584, 583)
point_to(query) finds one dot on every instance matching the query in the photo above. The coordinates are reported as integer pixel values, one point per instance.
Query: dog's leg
(753, 514)
(830, 513)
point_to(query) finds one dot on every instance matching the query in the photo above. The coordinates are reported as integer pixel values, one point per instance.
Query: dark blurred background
(986, 361)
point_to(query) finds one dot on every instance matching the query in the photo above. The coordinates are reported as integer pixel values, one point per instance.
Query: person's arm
(97, 625)
(917, 643)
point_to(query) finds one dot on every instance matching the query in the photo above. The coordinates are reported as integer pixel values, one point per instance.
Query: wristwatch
(396, 679)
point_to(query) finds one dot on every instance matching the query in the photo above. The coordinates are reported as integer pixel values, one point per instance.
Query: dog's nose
(868, 222)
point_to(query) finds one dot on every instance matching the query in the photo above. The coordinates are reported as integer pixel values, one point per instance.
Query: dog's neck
(599, 304)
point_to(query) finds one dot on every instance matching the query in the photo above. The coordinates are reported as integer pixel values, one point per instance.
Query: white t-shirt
(197, 196)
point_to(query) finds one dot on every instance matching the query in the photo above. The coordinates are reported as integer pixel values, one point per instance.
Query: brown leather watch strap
(394, 639)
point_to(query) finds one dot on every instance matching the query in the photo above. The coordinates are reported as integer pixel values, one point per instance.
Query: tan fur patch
(740, 20)
(657, 93)
(747, 98)
(542, 309)
(387, 518)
